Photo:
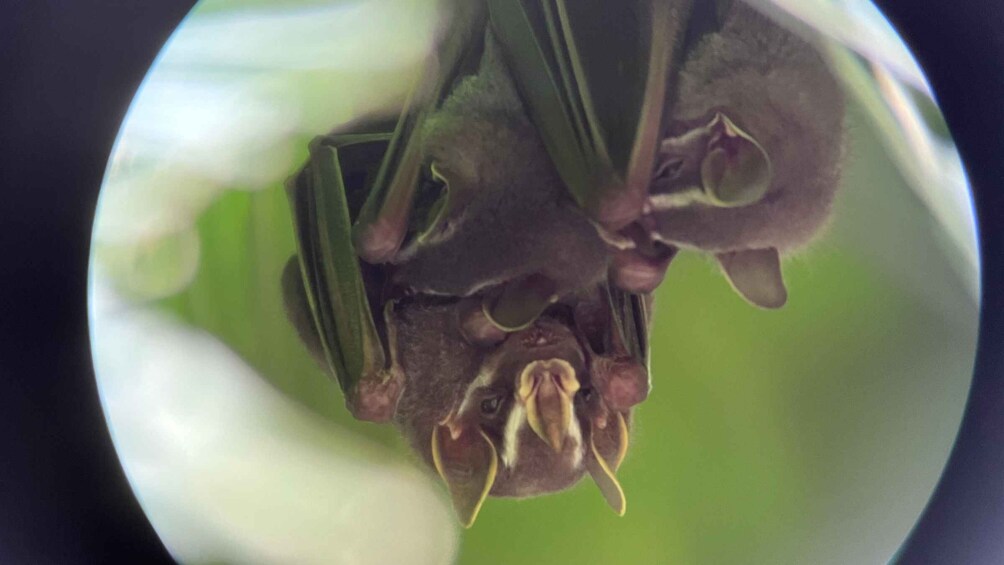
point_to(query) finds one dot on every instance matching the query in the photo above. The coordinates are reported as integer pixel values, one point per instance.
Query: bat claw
(619, 210)
(622, 383)
(632, 271)
(475, 326)
(641, 268)
(376, 401)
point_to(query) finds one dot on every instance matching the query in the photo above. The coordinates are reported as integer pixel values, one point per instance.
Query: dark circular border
(69, 71)
(960, 46)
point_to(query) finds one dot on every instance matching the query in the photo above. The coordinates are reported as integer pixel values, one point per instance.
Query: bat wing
(384, 218)
(354, 199)
(333, 295)
(631, 315)
(594, 76)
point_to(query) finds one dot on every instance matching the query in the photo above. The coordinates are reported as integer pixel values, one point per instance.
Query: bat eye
(669, 170)
(431, 205)
(490, 406)
(586, 394)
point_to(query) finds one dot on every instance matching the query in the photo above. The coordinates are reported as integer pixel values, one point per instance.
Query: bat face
(750, 159)
(752, 92)
(506, 213)
(522, 418)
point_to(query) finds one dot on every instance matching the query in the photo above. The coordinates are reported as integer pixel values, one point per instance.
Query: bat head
(751, 157)
(518, 419)
(503, 211)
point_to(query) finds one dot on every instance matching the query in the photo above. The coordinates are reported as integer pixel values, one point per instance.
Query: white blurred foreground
(229, 470)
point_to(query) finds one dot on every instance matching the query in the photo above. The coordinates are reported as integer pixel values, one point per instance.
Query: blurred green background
(813, 434)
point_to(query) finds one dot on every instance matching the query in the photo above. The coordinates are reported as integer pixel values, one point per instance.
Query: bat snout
(547, 388)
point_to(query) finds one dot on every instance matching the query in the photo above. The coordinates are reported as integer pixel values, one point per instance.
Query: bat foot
(376, 401)
(622, 383)
(475, 326)
(635, 272)
(641, 269)
(378, 242)
(619, 210)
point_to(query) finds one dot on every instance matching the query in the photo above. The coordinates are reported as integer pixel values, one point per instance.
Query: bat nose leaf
(547, 388)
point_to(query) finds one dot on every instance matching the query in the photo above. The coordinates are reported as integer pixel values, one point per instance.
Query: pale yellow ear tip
(437, 458)
(625, 438)
(621, 507)
(493, 467)
(467, 517)
(469, 520)
(606, 480)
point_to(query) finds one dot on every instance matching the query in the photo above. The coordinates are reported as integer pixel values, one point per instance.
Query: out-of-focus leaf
(229, 470)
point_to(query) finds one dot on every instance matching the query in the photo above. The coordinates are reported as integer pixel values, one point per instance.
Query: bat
(531, 415)
(549, 405)
(514, 391)
(479, 270)
(751, 157)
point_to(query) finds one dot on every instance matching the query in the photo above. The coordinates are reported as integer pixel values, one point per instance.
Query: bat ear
(519, 303)
(467, 462)
(756, 275)
(736, 170)
(612, 440)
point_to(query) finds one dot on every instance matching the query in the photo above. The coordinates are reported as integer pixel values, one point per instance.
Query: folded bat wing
(595, 75)
(345, 335)
(631, 319)
(353, 200)
(384, 219)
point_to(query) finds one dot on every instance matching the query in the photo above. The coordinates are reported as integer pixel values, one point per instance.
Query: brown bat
(529, 415)
(750, 160)
(489, 291)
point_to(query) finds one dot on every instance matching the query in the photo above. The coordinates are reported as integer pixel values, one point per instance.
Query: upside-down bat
(481, 272)
(752, 152)
(530, 416)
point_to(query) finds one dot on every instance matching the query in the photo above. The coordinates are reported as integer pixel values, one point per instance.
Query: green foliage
(246, 239)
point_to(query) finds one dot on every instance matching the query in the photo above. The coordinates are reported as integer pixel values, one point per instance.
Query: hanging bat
(526, 416)
(751, 154)
(480, 273)
(514, 377)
